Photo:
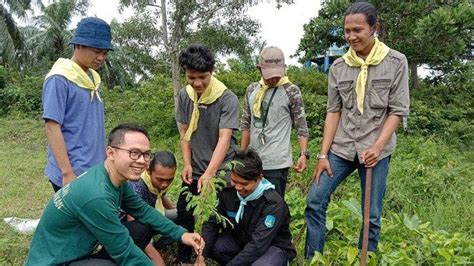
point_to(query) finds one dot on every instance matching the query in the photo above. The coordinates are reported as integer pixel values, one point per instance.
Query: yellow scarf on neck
(74, 73)
(159, 202)
(214, 90)
(257, 106)
(376, 55)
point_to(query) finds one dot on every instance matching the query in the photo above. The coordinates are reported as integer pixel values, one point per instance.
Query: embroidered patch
(270, 221)
(231, 214)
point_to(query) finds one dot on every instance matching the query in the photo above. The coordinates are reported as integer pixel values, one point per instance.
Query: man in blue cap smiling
(72, 106)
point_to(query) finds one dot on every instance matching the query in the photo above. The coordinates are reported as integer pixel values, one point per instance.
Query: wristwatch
(306, 154)
(321, 156)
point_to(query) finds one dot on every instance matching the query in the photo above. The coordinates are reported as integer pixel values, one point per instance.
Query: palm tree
(51, 38)
(10, 36)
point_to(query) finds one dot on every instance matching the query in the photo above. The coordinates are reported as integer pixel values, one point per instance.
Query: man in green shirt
(82, 220)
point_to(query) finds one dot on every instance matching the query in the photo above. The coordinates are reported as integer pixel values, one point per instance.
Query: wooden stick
(365, 232)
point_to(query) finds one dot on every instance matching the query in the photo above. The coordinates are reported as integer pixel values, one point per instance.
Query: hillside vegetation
(428, 209)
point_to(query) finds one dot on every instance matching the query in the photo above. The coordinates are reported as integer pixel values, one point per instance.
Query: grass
(427, 178)
(24, 189)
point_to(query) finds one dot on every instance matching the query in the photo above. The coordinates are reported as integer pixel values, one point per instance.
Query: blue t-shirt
(82, 124)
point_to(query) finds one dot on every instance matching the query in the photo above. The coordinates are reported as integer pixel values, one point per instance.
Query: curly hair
(197, 57)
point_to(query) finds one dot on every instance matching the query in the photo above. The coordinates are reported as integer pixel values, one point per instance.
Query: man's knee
(318, 197)
(273, 256)
(140, 233)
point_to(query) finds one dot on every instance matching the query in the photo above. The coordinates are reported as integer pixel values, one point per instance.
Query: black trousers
(55, 187)
(279, 178)
(140, 233)
(185, 219)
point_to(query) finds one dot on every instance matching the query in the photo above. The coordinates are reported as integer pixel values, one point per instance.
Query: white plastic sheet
(22, 225)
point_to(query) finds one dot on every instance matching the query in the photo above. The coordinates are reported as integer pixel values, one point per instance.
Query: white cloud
(284, 27)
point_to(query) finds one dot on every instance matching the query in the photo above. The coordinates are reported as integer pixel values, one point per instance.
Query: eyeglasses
(136, 154)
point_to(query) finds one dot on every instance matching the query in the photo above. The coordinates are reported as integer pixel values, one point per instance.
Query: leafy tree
(323, 31)
(452, 29)
(134, 56)
(407, 26)
(10, 37)
(222, 25)
(49, 38)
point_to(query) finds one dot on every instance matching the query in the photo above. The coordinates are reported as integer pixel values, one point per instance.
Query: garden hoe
(365, 232)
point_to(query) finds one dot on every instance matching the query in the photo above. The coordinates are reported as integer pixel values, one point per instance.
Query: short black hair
(365, 8)
(163, 158)
(247, 164)
(197, 57)
(117, 134)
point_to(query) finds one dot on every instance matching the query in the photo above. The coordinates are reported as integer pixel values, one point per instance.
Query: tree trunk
(175, 76)
(413, 76)
(172, 51)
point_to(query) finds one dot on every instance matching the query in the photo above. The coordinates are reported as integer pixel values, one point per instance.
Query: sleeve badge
(270, 221)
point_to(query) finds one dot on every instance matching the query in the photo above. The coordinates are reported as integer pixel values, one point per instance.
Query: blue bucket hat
(93, 32)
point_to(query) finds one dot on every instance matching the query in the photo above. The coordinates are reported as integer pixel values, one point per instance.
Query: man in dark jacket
(260, 233)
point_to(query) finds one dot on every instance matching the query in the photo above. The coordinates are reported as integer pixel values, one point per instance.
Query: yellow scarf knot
(214, 90)
(74, 73)
(159, 203)
(257, 106)
(376, 55)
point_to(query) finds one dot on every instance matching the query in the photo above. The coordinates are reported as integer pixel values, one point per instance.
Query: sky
(279, 27)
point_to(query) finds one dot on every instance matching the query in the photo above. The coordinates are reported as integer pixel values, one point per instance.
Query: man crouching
(82, 222)
(260, 218)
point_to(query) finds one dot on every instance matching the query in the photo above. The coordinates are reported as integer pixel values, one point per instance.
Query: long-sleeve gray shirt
(386, 94)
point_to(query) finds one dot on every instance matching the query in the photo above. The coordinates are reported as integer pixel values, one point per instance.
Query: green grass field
(427, 178)
(24, 190)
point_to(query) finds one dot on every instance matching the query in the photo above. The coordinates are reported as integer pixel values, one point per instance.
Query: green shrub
(151, 105)
(21, 96)
(3, 77)
(405, 239)
(238, 82)
(310, 81)
(445, 109)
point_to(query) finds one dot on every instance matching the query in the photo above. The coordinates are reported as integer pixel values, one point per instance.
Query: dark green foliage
(135, 42)
(322, 31)
(11, 39)
(452, 27)
(242, 64)
(427, 32)
(309, 80)
(238, 81)
(49, 38)
(446, 109)
(3, 77)
(428, 204)
(21, 95)
(405, 239)
(150, 105)
(313, 86)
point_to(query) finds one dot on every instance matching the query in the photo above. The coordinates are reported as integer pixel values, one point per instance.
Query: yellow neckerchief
(159, 202)
(214, 90)
(74, 73)
(257, 106)
(376, 55)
